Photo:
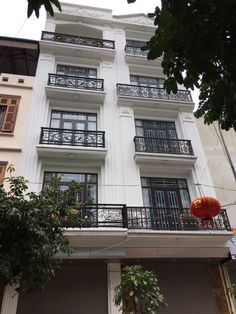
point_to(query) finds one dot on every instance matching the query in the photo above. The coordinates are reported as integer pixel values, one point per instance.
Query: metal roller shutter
(186, 286)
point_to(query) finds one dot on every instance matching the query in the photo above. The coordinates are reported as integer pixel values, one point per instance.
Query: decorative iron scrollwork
(53, 136)
(152, 92)
(163, 146)
(78, 40)
(60, 80)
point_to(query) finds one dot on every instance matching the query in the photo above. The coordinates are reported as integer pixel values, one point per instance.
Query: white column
(10, 300)
(113, 278)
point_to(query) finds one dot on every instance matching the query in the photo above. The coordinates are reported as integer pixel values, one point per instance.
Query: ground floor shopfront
(86, 287)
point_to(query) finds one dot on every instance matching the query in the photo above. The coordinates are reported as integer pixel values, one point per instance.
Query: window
(76, 71)
(87, 181)
(8, 111)
(156, 129)
(135, 43)
(146, 81)
(74, 120)
(3, 166)
(170, 201)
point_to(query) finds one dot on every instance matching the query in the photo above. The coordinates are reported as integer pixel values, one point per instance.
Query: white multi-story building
(99, 115)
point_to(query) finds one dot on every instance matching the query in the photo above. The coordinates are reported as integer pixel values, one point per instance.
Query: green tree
(31, 231)
(197, 42)
(35, 5)
(138, 292)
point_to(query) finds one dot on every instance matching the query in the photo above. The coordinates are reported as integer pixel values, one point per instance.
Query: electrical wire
(138, 185)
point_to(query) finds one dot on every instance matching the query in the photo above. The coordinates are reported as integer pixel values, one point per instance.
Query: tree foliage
(138, 292)
(197, 41)
(35, 5)
(31, 231)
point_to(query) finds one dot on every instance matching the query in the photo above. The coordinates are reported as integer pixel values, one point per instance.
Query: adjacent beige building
(15, 94)
(18, 65)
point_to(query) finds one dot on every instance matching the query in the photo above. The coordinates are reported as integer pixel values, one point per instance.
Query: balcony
(117, 230)
(135, 55)
(167, 151)
(66, 143)
(149, 218)
(135, 51)
(153, 97)
(84, 89)
(72, 45)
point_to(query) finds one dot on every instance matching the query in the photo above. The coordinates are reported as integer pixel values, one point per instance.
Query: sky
(14, 22)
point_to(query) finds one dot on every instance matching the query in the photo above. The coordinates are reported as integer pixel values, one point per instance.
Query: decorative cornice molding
(141, 20)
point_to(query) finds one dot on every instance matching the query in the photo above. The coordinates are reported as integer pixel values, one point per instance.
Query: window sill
(6, 134)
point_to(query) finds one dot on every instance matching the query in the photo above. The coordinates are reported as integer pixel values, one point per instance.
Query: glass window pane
(88, 183)
(138, 122)
(82, 116)
(139, 131)
(48, 176)
(145, 181)
(91, 192)
(80, 126)
(67, 125)
(92, 118)
(92, 178)
(92, 126)
(56, 114)
(67, 115)
(147, 198)
(61, 69)
(55, 123)
(3, 110)
(76, 71)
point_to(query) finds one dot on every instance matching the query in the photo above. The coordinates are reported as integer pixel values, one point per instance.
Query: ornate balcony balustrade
(152, 93)
(174, 219)
(66, 137)
(163, 146)
(60, 80)
(135, 51)
(105, 215)
(78, 40)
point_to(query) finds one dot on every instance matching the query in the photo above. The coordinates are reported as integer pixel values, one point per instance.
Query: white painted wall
(119, 175)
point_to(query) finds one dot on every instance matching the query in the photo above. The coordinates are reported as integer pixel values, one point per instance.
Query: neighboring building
(18, 62)
(99, 115)
(220, 151)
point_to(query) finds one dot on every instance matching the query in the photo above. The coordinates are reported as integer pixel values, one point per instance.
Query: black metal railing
(78, 40)
(151, 92)
(173, 219)
(163, 146)
(67, 137)
(135, 51)
(105, 215)
(169, 219)
(77, 82)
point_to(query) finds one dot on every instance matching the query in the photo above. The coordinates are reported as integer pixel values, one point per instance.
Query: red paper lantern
(205, 207)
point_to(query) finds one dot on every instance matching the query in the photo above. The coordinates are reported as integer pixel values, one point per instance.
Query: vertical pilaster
(113, 277)
(10, 300)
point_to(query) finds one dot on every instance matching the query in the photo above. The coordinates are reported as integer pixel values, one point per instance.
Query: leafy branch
(32, 230)
(138, 292)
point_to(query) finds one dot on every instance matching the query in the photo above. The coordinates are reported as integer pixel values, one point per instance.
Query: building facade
(99, 115)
